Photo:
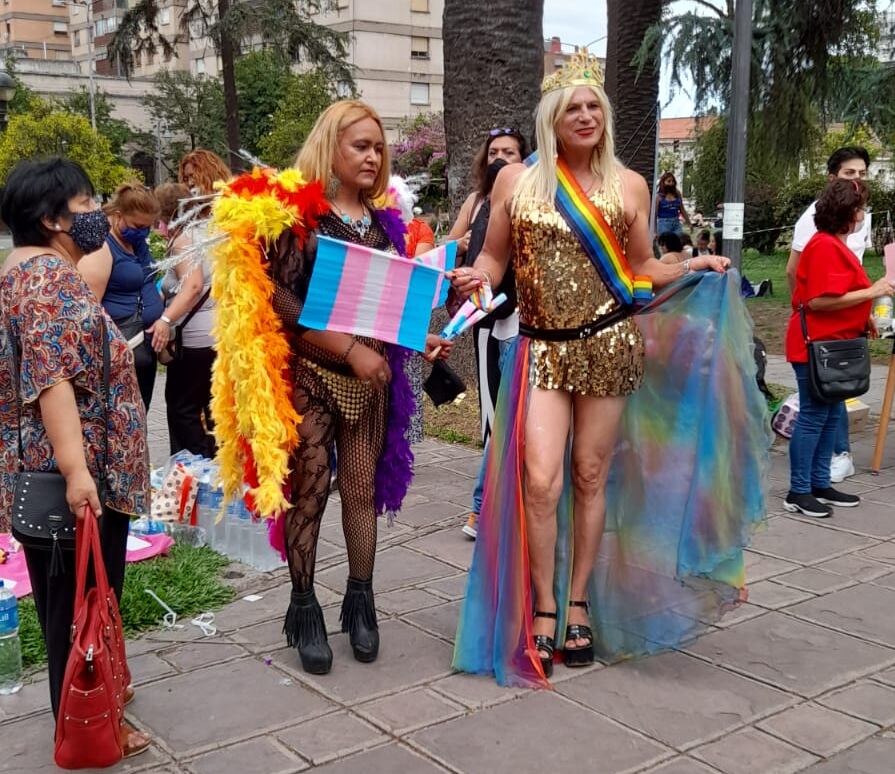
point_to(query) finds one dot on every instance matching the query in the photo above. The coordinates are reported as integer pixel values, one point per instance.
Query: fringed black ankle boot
(305, 630)
(359, 620)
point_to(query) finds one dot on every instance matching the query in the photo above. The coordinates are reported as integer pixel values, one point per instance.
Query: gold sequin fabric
(558, 287)
(350, 394)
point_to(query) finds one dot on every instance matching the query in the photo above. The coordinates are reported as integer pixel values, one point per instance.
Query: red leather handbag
(91, 708)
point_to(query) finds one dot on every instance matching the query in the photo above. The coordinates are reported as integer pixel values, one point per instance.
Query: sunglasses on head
(500, 132)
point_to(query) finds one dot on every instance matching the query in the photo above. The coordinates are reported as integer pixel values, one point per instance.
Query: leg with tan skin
(546, 433)
(596, 425)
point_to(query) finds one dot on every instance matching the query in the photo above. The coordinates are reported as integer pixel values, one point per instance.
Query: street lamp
(7, 92)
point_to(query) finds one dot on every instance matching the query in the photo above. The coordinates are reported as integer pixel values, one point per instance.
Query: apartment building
(397, 52)
(35, 29)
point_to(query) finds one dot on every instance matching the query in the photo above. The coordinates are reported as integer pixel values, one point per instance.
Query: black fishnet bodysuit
(358, 443)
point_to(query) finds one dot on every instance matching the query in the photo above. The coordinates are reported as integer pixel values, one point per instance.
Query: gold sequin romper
(558, 287)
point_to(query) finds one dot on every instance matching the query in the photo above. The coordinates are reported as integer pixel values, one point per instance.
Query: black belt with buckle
(575, 334)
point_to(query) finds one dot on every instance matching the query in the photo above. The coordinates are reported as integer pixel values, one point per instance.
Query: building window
(419, 6)
(343, 90)
(76, 38)
(419, 48)
(200, 66)
(165, 16)
(59, 3)
(60, 28)
(419, 93)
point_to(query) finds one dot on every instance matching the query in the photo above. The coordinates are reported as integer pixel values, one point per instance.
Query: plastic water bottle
(10, 647)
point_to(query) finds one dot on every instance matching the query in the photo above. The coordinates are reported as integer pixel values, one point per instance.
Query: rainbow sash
(598, 241)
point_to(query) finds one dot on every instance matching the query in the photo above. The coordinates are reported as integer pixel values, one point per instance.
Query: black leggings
(146, 378)
(188, 402)
(54, 596)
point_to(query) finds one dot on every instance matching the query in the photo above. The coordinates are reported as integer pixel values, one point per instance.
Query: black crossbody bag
(838, 368)
(40, 514)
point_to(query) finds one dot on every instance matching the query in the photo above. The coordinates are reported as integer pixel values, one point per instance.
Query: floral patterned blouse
(54, 320)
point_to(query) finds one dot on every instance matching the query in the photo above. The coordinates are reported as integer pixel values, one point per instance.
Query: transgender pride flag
(367, 292)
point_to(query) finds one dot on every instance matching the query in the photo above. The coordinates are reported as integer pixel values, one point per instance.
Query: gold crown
(582, 69)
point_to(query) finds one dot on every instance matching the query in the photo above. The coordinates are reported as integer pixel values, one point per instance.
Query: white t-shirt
(805, 229)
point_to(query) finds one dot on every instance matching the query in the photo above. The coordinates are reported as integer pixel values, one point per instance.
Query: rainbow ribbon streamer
(366, 292)
(476, 308)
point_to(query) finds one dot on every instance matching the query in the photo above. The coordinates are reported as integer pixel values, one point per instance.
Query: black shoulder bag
(40, 514)
(837, 369)
(174, 349)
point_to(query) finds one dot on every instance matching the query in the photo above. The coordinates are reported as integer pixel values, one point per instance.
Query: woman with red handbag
(69, 442)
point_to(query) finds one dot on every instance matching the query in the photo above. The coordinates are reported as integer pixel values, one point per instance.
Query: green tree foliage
(116, 131)
(263, 79)
(24, 98)
(798, 53)
(307, 96)
(48, 132)
(189, 106)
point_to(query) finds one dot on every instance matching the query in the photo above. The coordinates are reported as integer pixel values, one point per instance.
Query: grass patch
(770, 314)
(188, 579)
(455, 423)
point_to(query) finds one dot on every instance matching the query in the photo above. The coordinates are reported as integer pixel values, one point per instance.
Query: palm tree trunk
(493, 64)
(634, 97)
(231, 101)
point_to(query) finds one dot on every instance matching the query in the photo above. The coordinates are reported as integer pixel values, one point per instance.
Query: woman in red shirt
(837, 295)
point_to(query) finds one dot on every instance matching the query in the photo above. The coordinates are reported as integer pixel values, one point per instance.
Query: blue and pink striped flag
(366, 292)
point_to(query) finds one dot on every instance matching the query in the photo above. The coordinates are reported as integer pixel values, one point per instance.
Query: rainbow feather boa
(255, 421)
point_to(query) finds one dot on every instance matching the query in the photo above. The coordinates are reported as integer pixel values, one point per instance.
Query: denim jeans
(504, 347)
(664, 225)
(841, 444)
(811, 445)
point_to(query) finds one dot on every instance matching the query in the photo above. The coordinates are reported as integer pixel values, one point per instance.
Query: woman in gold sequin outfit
(578, 384)
(341, 388)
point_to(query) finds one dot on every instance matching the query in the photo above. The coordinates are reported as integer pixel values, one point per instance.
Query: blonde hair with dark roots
(132, 198)
(208, 169)
(315, 159)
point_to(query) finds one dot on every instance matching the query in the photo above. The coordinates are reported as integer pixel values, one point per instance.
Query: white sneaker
(841, 467)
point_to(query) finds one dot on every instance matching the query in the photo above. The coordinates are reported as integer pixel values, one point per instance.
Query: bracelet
(165, 319)
(348, 351)
(487, 275)
(686, 263)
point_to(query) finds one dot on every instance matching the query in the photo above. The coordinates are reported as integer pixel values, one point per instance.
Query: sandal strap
(544, 642)
(580, 632)
(580, 603)
(544, 614)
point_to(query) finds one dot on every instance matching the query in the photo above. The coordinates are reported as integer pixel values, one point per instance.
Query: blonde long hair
(315, 159)
(538, 182)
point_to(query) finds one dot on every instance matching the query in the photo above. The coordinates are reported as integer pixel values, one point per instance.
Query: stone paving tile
(332, 736)
(675, 698)
(887, 676)
(27, 748)
(483, 742)
(815, 580)
(742, 612)
(428, 513)
(861, 610)
(871, 518)
(866, 700)
(395, 568)
(884, 552)
(817, 729)
(441, 620)
(753, 752)
(148, 667)
(475, 691)
(788, 538)
(32, 698)
(874, 756)
(407, 658)
(392, 758)
(261, 638)
(258, 756)
(406, 600)
(792, 654)
(204, 652)
(405, 712)
(447, 545)
(240, 613)
(451, 588)
(760, 567)
(236, 700)
(681, 765)
(888, 581)
(773, 595)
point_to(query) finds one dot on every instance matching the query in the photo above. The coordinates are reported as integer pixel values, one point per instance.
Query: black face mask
(491, 172)
(89, 230)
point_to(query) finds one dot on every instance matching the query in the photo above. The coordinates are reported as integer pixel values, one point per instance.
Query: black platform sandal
(544, 642)
(305, 630)
(584, 654)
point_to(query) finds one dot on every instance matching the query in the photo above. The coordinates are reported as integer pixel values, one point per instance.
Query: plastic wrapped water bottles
(10, 646)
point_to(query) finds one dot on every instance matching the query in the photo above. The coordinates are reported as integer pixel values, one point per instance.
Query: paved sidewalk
(800, 678)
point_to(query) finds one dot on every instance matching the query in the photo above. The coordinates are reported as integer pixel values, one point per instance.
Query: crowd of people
(585, 538)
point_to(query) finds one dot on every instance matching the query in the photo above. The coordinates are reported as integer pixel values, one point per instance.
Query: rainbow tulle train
(684, 495)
